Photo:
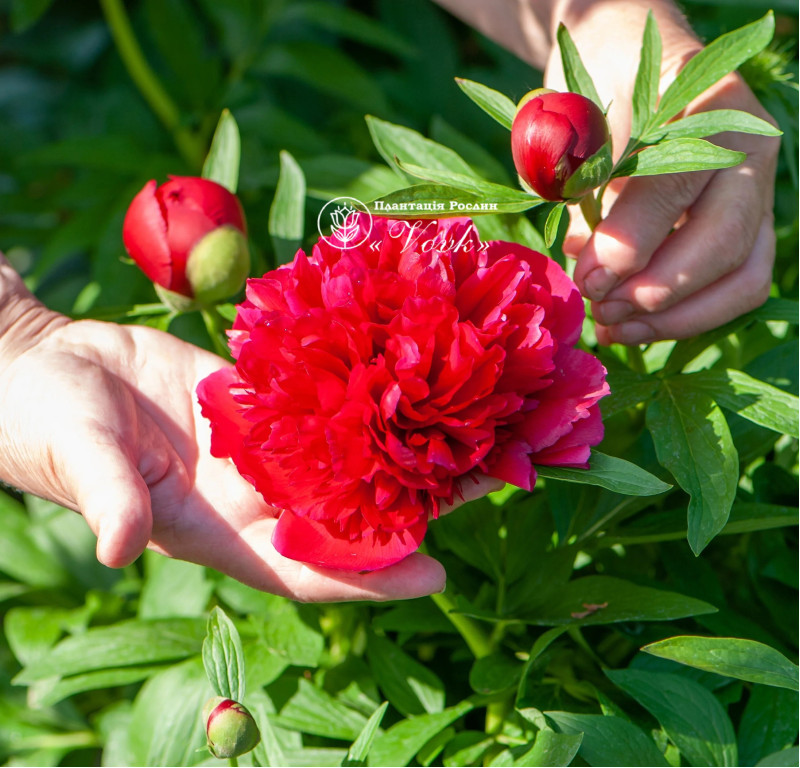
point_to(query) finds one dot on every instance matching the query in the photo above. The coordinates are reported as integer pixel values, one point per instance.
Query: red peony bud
(165, 227)
(230, 728)
(551, 137)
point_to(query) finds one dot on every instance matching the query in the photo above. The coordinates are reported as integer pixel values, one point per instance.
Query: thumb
(111, 495)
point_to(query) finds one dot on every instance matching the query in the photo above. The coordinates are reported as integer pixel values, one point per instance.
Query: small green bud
(218, 265)
(230, 728)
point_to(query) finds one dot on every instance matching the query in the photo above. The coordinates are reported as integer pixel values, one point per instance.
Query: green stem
(590, 208)
(189, 145)
(474, 635)
(636, 359)
(233, 762)
(215, 325)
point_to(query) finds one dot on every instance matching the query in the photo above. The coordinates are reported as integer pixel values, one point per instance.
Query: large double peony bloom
(372, 383)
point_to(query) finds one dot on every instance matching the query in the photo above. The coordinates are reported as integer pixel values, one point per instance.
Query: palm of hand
(119, 430)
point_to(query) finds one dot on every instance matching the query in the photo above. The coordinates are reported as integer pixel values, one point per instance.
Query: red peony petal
(228, 423)
(144, 233)
(320, 543)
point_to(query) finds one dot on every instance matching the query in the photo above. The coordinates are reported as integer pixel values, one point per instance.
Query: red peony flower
(372, 383)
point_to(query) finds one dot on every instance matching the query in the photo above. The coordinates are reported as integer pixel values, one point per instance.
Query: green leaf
(578, 79)
(494, 673)
(609, 472)
(671, 524)
(787, 757)
(166, 727)
(607, 600)
(286, 214)
(120, 645)
(173, 588)
(312, 710)
(437, 201)
(678, 156)
(609, 740)
(592, 173)
(486, 189)
(398, 745)
(222, 161)
(25, 13)
(718, 58)
(357, 754)
(21, 557)
(529, 677)
(710, 124)
(494, 103)
(689, 713)
(32, 632)
(752, 399)
(645, 89)
(90, 681)
(552, 224)
(398, 142)
(768, 724)
(223, 657)
(292, 632)
(410, 687)
(730, 656)
(627, 390)
(551, 749)
(693, 441)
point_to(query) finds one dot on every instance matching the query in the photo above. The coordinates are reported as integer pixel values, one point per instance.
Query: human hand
(675, 255)
(103, 419)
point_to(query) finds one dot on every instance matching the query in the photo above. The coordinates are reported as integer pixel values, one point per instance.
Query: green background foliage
(644, 613)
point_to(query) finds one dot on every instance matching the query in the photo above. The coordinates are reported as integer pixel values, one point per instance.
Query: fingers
(639, 221)
(111, 495)
(737, 292)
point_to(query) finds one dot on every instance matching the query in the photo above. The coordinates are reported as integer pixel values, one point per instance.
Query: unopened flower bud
(552, 135)
(230, 728)
(188, 237)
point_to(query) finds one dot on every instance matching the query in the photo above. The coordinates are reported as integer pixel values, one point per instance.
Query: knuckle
(655, 298)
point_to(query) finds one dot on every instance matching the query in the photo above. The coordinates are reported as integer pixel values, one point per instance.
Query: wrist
(24, 320)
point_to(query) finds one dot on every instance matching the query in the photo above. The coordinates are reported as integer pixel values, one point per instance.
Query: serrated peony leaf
(222, 163)
(730, 656)
(693, 441)
(611, 473)
(678, 156)
(494, 103)
(719, 57)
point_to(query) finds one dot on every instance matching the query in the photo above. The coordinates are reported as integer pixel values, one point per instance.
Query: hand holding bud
(230, 728)
(189, 237)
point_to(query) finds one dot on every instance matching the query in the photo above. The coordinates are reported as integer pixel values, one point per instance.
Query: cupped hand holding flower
(103, 419)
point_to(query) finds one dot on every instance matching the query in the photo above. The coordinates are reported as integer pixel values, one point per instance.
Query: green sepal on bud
(230, 729)
(218, 265)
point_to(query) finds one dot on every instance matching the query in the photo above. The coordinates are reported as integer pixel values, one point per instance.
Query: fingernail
(599, 282)
(613, 312)
(634, 332)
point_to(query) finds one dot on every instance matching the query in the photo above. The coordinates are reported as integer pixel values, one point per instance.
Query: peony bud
(552, 135)
(230, 728)
(188, 237)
